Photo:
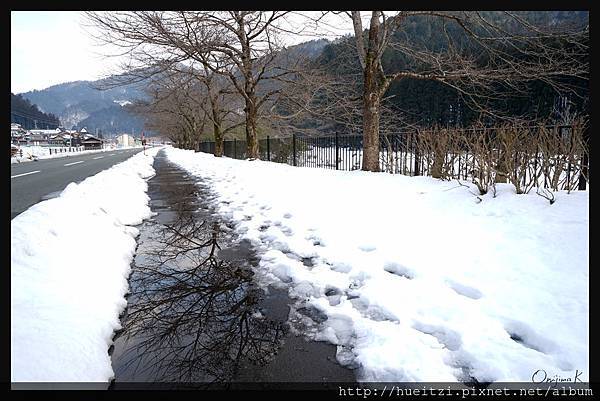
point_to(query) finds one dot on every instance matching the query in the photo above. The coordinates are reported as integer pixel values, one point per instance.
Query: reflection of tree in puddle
(192, 316)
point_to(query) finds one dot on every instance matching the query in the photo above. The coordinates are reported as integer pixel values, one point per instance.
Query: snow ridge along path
(70, 259)
(417, 279)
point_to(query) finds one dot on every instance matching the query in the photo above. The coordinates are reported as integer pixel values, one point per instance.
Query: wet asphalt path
(32, 182)
(195, 317)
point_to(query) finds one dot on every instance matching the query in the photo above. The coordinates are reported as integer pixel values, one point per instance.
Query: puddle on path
(195, 317)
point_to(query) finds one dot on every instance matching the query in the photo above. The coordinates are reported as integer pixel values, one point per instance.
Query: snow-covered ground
(43, 152)
(70, 259)
(417, 279)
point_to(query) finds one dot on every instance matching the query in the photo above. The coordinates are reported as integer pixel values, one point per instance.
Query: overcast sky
(52, 47)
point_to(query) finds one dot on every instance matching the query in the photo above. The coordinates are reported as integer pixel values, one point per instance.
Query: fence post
(294, 147)
(416, 149)
(234, 148)
(268, 148)
(585, 160)
(337, 151)
(562, 135)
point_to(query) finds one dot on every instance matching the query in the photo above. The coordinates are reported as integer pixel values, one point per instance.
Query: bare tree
(176, 108)
(221, 107)
(494, 59)
(239, 45)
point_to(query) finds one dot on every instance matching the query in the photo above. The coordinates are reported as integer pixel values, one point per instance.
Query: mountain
(23, 112)
(80, 104)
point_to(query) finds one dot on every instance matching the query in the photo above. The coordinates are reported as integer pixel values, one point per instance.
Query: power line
(32, 116)
(35, 118)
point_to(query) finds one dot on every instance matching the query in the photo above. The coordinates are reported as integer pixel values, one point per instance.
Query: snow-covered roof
(45, 131)
(90, 136)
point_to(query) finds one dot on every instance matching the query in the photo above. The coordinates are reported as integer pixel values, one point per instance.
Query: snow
(70, 259)
(31, 153)
(122, 102)
(416, 279)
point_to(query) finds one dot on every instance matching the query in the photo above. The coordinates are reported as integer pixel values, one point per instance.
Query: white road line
(112, 154)
(99, 157)
(21, 175)
(70, 164)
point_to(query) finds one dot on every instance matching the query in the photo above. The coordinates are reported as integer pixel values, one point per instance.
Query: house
(37, 139)
(16, 130)
(89, 142)
(55, 140)
(20, 140)
(74, 138)
(17, 134)
(125, 140)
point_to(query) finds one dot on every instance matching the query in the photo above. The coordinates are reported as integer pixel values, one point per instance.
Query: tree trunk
(371, 109)
(218, 135)
(251, 140)
(440, 150)
(218, 140)
(438, 162)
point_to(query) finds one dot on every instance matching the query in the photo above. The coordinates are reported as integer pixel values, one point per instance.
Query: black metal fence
(400, 153)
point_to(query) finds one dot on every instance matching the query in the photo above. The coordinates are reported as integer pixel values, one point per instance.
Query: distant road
(34, 181)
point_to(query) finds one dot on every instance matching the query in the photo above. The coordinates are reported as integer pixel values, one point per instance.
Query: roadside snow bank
(70, 259)
(31, 153)
(416, 279)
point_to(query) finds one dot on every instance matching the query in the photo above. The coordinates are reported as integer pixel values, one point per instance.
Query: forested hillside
(23, 112)
(426, 102)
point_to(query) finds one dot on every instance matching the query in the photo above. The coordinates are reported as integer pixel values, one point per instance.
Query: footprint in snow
(339, 267)
(449, 338)
(367, 248)
(465, 290)
(316, 241)
(398, 270)
(372, 312)
(523, 334)
(286, 230)
(308, 262)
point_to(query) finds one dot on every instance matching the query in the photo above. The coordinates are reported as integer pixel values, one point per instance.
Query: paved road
(32, 182)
